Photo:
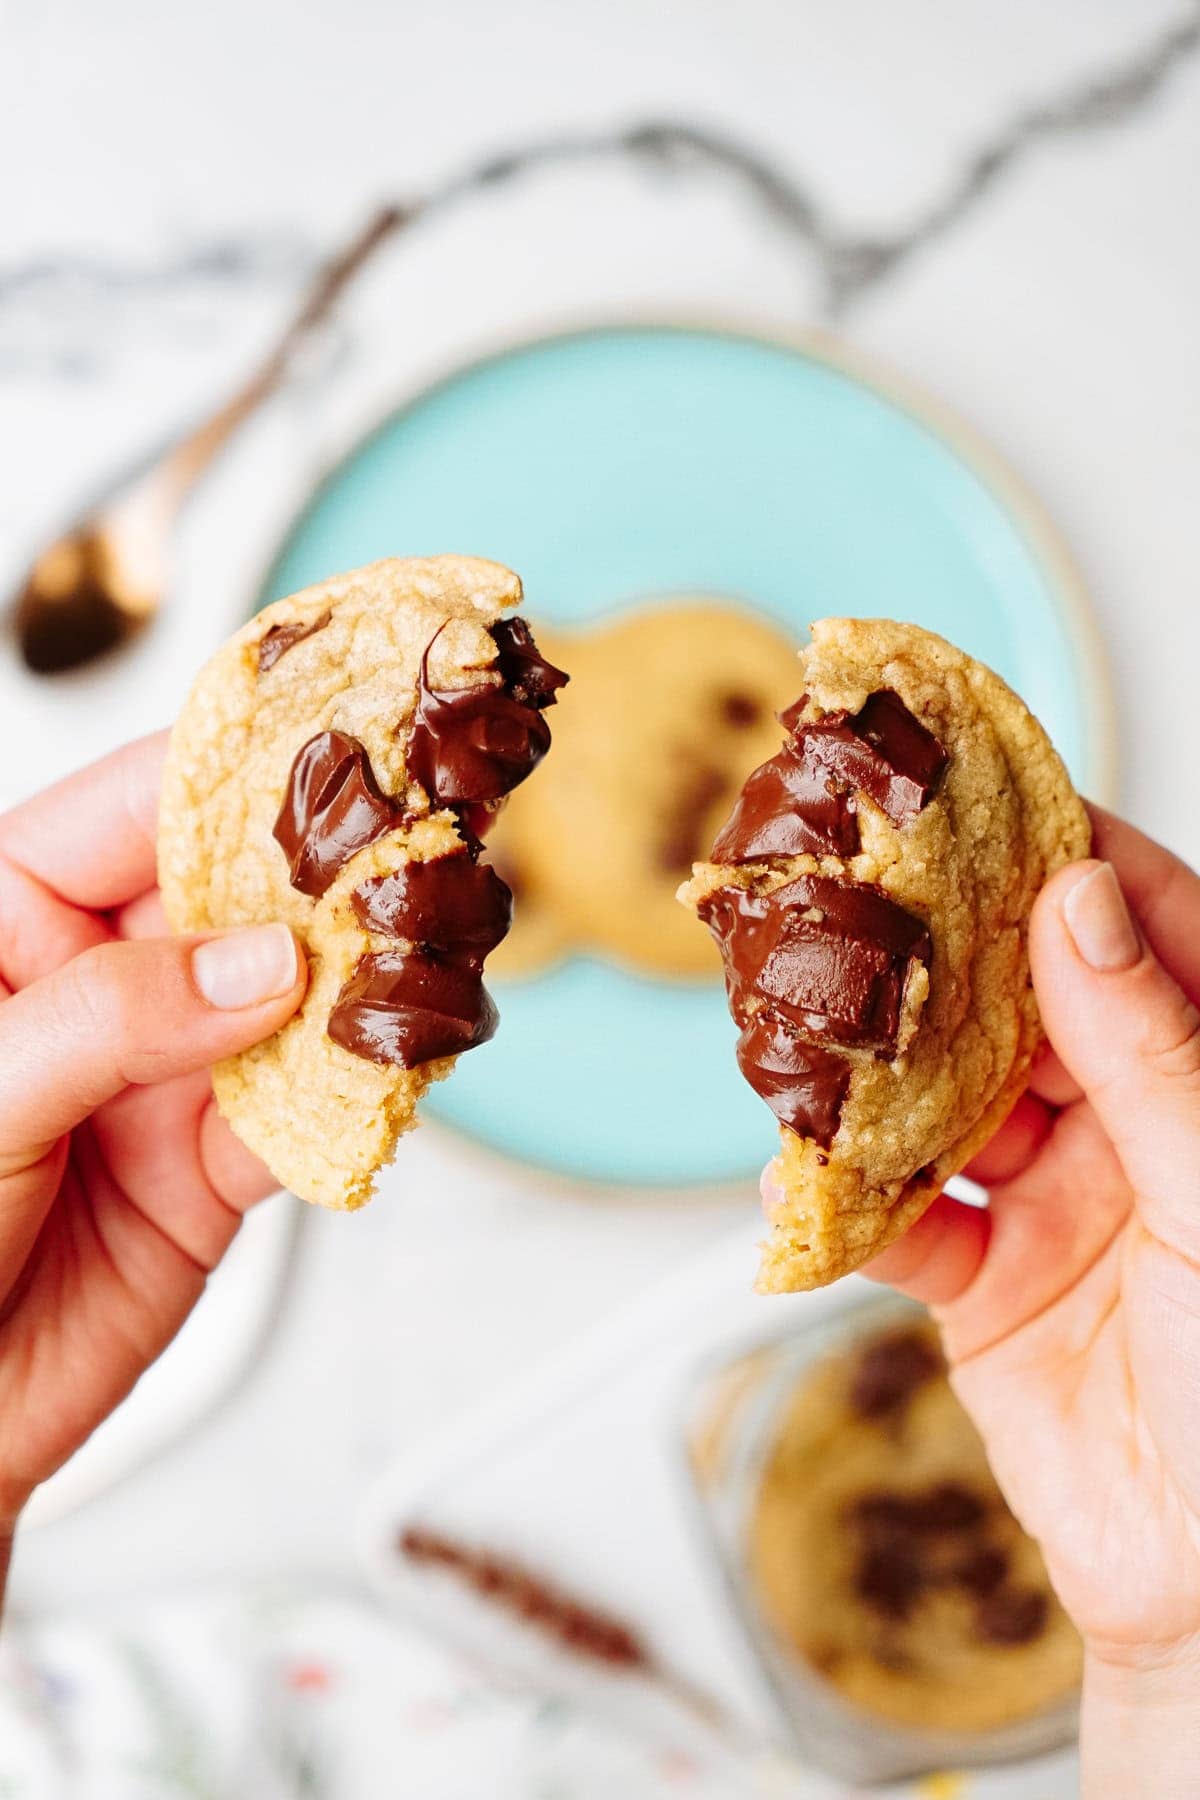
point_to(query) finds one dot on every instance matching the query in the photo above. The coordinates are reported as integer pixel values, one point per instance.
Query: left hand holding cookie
(120, 1185)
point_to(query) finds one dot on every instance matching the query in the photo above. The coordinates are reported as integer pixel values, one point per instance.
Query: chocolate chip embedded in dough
(332, 807)
(528, 678)
(889, 1577)
(831, 957)
(477, 743)
(890, 1371)
(804, 1086)
(410, 1007)
(281, 638)
(950, 1506)
(789, 807)
(452, 903)
(1012, 1616)
(981, 1571)
(740, 710)
(881, 751)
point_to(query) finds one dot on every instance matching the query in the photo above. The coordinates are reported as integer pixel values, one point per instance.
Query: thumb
(1131, 1038)
(133, 1013)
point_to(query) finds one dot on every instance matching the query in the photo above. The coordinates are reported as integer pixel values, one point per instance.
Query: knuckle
(16, 951)
(33, 1159)
(1172, 1049)
(89, 995)
(103, 997)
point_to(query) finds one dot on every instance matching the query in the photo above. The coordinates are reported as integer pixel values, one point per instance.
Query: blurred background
(942, 255)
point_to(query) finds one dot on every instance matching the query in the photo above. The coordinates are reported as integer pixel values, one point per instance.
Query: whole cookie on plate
(332, 768)
(870, 893)
(671, 701)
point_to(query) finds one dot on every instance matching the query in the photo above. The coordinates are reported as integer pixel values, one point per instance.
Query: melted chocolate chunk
(410, 1007)
(453, 903)
(333, 806)
(805, 1087)
(802, 800)
(477, 743)
(913, 755)
(789, 806)
(473, 824)
(889, 1372)
(279, 640)
(1012, 1615)
(831, 957)
(467, 747)
(474, 744)
(882, 751)
(526, 674)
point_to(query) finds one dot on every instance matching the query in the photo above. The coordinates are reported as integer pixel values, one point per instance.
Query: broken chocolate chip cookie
(869, 893)
(334, 767)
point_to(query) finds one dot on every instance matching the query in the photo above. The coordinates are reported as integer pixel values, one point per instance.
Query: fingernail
(244, 968)
(1099, 923)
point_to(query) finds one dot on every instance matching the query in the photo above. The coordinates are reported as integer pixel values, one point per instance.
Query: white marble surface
(179, 168)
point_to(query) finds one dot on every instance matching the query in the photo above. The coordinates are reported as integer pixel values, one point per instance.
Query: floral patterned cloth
(277, 1696)
(282, 1694)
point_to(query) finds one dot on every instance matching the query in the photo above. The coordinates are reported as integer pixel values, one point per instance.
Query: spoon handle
(186, 460)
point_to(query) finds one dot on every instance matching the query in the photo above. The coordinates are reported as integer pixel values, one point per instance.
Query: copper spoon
(107, 576)
(100, 583)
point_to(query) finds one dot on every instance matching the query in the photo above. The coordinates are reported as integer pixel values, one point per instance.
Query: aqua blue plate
(618, 463)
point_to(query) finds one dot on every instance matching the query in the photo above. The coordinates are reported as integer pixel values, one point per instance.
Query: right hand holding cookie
(120, 1185)
(1071, 1308)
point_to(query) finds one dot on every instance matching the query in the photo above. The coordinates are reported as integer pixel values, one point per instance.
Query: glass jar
(735, 1414)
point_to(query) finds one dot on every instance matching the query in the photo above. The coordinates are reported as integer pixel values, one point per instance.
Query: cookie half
(333, 767)
(870, 894)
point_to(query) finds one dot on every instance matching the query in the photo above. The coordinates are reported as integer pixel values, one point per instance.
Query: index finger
(91, 837)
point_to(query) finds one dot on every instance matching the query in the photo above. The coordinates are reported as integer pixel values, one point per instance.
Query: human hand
(120, 1185)
(1071, 1307)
